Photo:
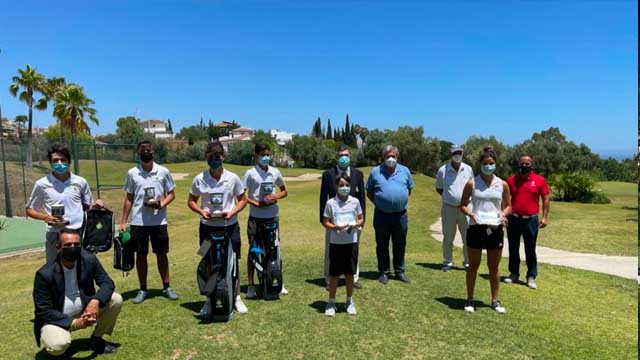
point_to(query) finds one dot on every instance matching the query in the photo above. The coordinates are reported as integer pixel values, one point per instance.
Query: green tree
(169, 126)
(25, 86)
(473, 148)
(329, 132)
(21, 120)
(53, 134)
(346, 135)
(72, 107)
(128, 130)
(445, 146)
(193, 134)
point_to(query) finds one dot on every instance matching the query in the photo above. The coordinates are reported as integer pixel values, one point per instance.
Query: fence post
(7, 195)
(95, 161)
(24, 181)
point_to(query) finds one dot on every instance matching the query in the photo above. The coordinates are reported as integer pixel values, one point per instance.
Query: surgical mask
(525, 169)
(146, 157)
(488, 169)
(344, 190)
(60, 167)
(456, 158)
(344, 161)
(71, 253)
(390, 161)
(265, 160)
(215, 163)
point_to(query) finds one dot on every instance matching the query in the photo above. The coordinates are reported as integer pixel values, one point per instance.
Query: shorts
(479, 238)
(140, 236)
(253, 223)
(343, 259)
(233, 230)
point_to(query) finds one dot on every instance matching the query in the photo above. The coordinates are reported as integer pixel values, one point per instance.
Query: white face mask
(456, 158)
(390, 161)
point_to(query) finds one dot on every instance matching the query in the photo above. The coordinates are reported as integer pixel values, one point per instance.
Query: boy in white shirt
(260, 183)
(343, 216)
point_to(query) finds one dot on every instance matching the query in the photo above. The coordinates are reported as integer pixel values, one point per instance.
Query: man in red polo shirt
(526, 188)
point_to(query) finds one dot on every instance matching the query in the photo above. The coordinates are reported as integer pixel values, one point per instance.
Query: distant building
(156, 127)
(9, 128)
(228, 140)
(281, 137)
(241, 131)
(224, 124)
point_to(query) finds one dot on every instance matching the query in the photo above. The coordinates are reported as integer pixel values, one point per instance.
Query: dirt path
(623, 266)
(304, 177)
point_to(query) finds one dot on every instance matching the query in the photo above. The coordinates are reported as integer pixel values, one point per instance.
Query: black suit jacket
(48, 290)
(328, 188)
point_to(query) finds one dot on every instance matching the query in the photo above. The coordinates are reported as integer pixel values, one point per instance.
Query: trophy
(150, 196)
(57, 211)
(215, 204)
(266, 188)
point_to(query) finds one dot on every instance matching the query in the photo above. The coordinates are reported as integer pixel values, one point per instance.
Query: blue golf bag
(266, 259)
(217, 275)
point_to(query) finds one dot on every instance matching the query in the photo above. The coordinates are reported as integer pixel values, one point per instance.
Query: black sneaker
(383, 278)
(403, 277)
(100, 346)
(497, 306)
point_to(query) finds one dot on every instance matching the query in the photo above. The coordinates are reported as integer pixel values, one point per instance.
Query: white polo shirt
(343, 211)
(452, 182)
(227, 188)
(161, 181)
(72, 193)
(259, 183)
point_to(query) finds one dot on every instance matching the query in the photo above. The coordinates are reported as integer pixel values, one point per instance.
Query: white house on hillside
(157, 127)
(281, 137)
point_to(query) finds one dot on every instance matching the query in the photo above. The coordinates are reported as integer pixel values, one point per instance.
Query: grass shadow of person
(132, 294)
(517, 282)
(434, 266)
(319, 305)
(79, 345)
(458, 303)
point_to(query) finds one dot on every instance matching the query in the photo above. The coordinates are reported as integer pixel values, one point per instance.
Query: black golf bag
(266, 259)
(217, 275)
(98, 230)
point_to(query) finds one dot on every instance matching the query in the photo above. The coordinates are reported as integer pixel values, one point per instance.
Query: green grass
(596, 228)
(573, 315)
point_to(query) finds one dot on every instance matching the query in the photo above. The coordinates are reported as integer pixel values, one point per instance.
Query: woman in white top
(490, 205)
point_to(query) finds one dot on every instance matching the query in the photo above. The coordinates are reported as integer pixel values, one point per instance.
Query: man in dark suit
(65, 298)
(328, 190)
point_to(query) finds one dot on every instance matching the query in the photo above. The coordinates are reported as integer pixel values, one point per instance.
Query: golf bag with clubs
(266, 259)
(217, 275)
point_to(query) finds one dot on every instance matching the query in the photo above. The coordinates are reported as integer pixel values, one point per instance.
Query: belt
(523, 216)
(392, 213)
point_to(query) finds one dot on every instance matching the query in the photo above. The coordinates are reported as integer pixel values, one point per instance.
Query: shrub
(576, 187)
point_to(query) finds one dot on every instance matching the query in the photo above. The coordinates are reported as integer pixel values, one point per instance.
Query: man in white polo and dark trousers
(150, 189)
(450, 181)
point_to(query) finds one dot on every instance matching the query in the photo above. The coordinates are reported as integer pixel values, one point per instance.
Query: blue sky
(456, 68)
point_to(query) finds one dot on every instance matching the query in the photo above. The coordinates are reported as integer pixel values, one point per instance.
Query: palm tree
(52, 88)
(70, 107)
(29, 82)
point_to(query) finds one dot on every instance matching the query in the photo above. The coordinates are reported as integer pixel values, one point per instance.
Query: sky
(456, 68)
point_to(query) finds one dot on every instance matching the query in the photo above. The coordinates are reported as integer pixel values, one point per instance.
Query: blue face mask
(215, 163)
(265, 160)
(344, 161)
(60, 168)
(344, 190)
(488, 169)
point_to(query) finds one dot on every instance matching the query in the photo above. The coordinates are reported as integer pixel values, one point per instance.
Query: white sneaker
(469, 306)
(511, 279)
(241, 308)
(251, 292)
(330, 310)
(531, 283)
(497, 306)
(204, 312)
(139, 297)
(351, 308)
(284, 291)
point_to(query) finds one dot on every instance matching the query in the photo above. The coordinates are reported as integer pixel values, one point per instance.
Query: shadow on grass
(502, 283)
(319, 305)
(195, 307)
(320, 282)
(371, 275)
(458, 304)
(79, 345)
(132, 294)
(437, 266)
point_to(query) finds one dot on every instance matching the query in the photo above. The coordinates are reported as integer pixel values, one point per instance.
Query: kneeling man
(65, 298)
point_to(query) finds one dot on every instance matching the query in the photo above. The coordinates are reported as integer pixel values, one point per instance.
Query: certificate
(488, 218)
(342, 218)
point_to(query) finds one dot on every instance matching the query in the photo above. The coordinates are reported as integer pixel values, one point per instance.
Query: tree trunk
(30, 136)
(74, 143)
(61, 127)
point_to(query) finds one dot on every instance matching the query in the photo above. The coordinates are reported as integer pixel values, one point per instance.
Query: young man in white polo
(260, 182)
(226, 188)
(149, 190)
(450, 181)
(60, 199)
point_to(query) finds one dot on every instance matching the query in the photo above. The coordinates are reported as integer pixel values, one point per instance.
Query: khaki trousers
(57, 340)
(452, 217)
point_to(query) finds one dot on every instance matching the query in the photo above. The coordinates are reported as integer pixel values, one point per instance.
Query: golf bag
(217, 275)
(266, 259)
(123, 255)
(98, 230)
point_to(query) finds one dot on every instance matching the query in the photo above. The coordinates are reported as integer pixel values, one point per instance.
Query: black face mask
(146, 157)
(71, 253)
(525, 169)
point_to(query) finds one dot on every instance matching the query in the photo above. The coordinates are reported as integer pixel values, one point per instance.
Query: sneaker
(251, 292)
(383, 278)
(284, 291)
(403, 277)
(469, 306)
(531, 283)
(241, 308)
(204, 312)
(140, 297)
(511, 279)
(330, 310)
(357, 285)
(497, 306)
(351, 308)
(446, 266)
(170, 294)
(100, 346)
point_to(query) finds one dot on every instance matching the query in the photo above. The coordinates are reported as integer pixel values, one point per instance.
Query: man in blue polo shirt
(388, 187)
